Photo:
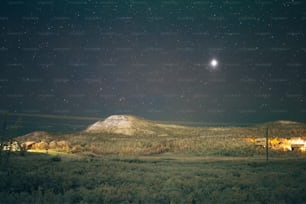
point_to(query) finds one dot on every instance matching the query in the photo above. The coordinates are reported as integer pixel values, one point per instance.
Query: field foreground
(127, 159)
(164, 178)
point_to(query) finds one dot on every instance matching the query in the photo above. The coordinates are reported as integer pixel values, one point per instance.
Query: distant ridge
(281, 123)
(287, 122)
(134, 125)
(36, 136)
(131, 125)
(128, 134)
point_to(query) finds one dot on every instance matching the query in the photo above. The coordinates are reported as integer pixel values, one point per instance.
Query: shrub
(56, 158)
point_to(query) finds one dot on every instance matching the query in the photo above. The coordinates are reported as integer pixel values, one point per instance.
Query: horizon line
(54, 116)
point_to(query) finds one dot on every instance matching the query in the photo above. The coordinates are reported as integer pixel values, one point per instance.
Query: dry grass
(38, 178)
(201, 141)
(204, 141)
(230, 141)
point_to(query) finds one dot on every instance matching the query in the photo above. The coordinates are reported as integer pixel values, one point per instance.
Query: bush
(56, 159)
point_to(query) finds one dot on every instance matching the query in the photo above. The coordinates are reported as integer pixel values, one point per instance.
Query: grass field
(163, 178)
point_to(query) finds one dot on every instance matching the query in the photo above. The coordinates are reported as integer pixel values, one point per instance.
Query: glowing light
(214, 63)
(283, 144)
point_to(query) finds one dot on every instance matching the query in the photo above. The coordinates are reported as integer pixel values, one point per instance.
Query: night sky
(152, 59)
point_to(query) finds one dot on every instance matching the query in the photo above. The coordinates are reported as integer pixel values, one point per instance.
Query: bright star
(214, 63)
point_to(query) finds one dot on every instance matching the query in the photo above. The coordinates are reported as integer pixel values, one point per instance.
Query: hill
(36, 136)
(132, 126)
(127, 134)
(122, 124)
(282, 124)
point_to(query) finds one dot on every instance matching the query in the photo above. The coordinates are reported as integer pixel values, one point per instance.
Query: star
(214, 63)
